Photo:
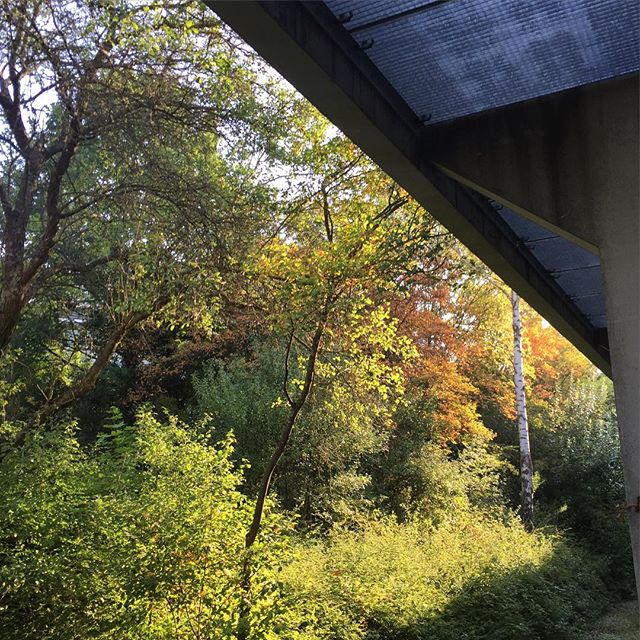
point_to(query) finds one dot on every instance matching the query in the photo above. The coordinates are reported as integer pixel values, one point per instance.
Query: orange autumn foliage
(428, 317)
(552, 357)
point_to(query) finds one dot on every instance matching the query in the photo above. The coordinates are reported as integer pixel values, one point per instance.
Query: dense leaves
(142, 535)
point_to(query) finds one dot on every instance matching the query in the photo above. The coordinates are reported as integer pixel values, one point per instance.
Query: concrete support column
(620, 241)
(615, 214)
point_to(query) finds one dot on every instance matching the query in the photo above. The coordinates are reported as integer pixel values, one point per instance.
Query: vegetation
(620, 623)
(249, 388)
(144, 532)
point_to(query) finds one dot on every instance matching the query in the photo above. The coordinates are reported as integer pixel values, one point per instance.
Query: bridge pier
(620, 235)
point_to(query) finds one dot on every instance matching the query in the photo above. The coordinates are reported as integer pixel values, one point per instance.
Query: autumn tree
(323, 283)
(435, 312)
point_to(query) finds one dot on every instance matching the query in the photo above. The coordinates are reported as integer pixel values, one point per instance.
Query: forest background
(211, 299)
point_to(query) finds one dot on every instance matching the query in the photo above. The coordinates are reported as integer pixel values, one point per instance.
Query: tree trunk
(11, 303)
(83, 386)
(243, 631)
(86, 384)
(526, 465)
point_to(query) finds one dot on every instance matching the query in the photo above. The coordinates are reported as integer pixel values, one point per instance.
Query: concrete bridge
(516, 125)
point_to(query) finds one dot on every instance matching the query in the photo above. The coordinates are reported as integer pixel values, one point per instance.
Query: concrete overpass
(516, 125)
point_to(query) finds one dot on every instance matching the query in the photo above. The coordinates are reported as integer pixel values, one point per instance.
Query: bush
(471, 578)
(577, 448)
(320, 477)
(426, 480)
(140, 538)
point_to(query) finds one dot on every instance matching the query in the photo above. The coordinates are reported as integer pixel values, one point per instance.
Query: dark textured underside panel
(449, 58)
(458, 57)
(576, 270)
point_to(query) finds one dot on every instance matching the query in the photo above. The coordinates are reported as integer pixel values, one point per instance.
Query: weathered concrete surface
(619, 232)
(614, 145)
(545, 159)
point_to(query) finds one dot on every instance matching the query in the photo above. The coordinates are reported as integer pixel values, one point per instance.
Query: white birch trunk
(526, 465)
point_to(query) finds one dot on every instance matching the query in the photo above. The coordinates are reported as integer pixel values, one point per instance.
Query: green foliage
(209, 220)
(576, 442)
(470, 578)
(240, 396)
(141, 538)
(420, 478)
(346, 420)
(153, 115)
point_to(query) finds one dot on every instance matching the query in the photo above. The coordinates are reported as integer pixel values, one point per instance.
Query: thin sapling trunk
(295, 406)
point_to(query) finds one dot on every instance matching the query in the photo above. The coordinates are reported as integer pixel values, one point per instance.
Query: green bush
(470, 578)
(239, 395)
(427, 481)
(577, 448)
(140, 538)
(320, 477)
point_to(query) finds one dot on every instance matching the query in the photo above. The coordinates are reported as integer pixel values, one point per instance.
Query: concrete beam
(305, 42)
(545, 158)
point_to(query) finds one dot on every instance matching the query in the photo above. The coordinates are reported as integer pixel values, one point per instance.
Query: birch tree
(526, 465)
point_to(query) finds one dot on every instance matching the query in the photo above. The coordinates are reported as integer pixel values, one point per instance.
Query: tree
(319, 275)
(127, 139)
(323, 279)
(434, 312)
(526, 464)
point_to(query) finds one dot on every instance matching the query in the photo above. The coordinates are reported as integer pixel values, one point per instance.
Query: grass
(621, 622)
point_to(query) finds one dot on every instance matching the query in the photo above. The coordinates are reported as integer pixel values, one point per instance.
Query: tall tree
(127, 165)
(321, 282)
(526, 464)
(321, 279)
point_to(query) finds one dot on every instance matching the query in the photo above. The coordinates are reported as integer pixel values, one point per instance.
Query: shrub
(578, 451)
(141, 538)
(320, 476)
(426, 480)
(471, 578)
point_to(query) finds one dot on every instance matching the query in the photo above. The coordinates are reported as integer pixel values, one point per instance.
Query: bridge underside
(524, 144)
